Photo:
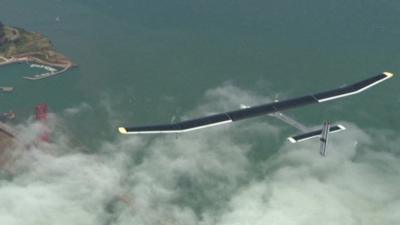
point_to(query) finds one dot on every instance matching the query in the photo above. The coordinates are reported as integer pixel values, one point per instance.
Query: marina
(49, 67)
(51, 72)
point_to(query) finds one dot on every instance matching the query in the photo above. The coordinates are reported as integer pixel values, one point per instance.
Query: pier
(49, 66)
(51, 72)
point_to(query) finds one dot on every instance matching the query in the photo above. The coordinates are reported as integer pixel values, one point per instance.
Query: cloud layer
(224, 175)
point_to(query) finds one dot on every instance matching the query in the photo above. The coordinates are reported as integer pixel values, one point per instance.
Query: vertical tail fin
(324, 138)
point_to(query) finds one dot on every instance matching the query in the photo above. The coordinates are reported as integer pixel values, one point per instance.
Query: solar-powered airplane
(274, 109)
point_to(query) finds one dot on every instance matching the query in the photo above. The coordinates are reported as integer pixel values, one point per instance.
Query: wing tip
(292, 140)
(122, 130)
(388, 74)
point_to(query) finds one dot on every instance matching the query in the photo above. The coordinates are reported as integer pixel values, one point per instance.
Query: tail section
(324, 138)
(315, 133)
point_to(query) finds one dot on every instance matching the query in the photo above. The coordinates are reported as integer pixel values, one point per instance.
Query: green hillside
(16, 41)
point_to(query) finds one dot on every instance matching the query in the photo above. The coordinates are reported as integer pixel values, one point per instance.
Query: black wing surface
(259, 110)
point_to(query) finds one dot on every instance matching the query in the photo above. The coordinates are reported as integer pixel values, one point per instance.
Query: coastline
(63, 63)
(20, 46)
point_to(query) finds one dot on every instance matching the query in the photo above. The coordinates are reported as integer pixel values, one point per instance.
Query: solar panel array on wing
(259, 110)
(204, 121)
(353, 88)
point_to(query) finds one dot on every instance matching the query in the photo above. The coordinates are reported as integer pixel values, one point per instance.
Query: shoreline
(28, 58)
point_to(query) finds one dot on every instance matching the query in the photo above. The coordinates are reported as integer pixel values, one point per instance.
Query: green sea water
(149, 61)
(144, 62)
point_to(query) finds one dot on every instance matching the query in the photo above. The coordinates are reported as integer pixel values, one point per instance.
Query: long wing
(228, 117)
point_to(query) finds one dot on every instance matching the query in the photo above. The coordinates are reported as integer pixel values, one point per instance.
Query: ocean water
(153, 60)
(143, 62)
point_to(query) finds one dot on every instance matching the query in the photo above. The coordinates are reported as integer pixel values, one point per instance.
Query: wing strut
(289, 120)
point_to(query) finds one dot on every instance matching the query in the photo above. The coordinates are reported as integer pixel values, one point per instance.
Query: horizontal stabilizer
(315, 133)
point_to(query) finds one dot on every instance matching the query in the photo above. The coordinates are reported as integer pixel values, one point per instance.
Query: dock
(50, 67)
(52, 73)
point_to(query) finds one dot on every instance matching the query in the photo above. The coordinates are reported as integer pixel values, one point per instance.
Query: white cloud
(78, 109)
(343, 188)
(206, 177)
